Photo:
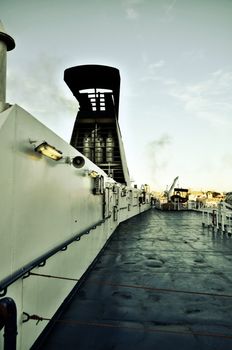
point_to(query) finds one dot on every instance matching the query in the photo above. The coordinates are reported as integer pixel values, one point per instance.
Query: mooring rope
(52, 276)
(165, 290)
(124, 327)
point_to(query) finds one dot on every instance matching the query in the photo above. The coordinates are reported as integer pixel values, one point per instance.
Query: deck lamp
(93, 174)
(49, 151)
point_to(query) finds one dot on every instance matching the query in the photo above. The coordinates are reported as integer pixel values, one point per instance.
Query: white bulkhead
(43, 204)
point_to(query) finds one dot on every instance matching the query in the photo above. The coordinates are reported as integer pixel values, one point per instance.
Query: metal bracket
(27, 317)
(64, 248)
(27, 274)
(3, 292)
(31, 317)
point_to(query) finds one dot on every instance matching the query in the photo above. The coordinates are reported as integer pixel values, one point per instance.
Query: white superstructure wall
(44, 203)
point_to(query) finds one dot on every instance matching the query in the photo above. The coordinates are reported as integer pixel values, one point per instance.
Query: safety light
(93, 174)
(49, 151)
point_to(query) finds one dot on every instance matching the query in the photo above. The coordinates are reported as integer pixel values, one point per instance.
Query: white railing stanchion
(220, 217)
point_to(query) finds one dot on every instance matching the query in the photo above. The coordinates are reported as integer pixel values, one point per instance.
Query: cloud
(168, 11)
(132, 2)
(157, 154)
(131, 8)
(132, 13)
(158, 144)
(153, 70)
(169, 6)
(227, 160)
(194, 55)
(208, 99)
(155, 65)
(43, 93)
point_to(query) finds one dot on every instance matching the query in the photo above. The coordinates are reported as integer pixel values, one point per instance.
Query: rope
(52, 276)
(132, 328)
(165, 290)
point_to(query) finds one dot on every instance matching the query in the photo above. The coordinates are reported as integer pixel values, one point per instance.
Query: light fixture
(78, 162)
(49, 151)
(93, 174)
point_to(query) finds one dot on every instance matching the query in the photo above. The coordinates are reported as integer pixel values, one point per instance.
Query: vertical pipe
(2, 76)
(8, 320)
(6, 44)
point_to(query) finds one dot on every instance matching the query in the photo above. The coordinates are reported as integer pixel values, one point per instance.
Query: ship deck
(163, 282)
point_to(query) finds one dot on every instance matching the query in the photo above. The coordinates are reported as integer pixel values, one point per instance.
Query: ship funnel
(6, 44)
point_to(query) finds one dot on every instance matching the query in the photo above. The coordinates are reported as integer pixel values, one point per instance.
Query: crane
(169, 192)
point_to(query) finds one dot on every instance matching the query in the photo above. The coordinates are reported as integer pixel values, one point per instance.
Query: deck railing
(41, 260)
(219, 217)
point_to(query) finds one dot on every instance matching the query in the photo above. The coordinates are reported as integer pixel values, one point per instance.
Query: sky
(175, 62)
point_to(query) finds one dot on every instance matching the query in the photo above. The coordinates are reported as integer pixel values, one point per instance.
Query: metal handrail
(220, 217)
(41, 261)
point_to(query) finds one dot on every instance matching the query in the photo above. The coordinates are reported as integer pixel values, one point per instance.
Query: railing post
(203, 218)
(217, 226)
(230, 224)
(223, 216)
(208, 219)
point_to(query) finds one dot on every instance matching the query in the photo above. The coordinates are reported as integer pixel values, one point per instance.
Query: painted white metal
(6, 43)
(2, 76)
(43, 203)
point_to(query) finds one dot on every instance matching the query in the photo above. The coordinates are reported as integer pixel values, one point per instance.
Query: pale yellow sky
(175, 61)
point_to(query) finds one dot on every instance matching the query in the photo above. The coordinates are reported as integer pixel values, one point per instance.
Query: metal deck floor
(162, 283)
